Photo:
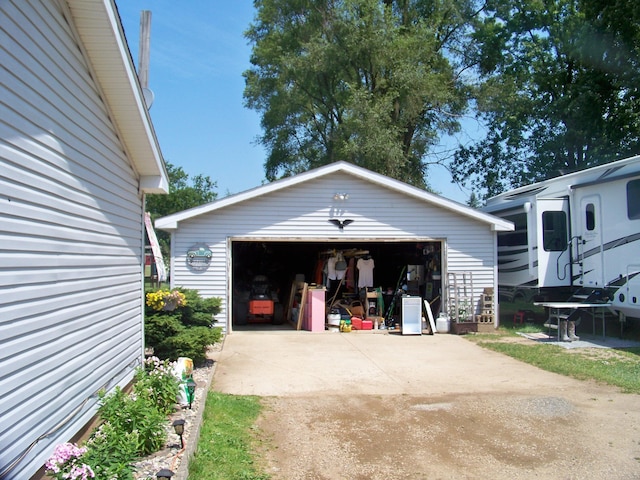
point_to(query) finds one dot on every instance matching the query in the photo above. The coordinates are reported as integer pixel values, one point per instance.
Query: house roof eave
(171, 221)
(98, 25)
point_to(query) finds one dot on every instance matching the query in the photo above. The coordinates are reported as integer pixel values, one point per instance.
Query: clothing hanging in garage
(365, 268)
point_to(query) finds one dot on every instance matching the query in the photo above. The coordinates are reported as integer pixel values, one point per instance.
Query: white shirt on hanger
(365, 272)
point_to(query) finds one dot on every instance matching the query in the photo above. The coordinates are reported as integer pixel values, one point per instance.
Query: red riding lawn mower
(264, 306)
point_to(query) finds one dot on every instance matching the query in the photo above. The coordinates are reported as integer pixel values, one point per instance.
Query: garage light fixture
(178, 426)
(341, 196)
(191, 388)
(164, 474)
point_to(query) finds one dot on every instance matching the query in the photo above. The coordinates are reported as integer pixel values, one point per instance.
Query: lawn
(226, 439)
(617, 367)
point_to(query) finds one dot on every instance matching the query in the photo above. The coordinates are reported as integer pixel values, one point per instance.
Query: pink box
(314, 316)
(356, 323)
(367, 325)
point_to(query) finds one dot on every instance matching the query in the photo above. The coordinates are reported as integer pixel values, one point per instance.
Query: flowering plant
(166, 300)
(64, 463)
(157, 380)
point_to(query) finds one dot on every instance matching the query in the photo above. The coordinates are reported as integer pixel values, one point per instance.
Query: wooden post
(303, 301)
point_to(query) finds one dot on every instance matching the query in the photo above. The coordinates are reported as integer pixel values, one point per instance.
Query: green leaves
(184, 193)
(555, 78)
(185, 331)
(369, 82)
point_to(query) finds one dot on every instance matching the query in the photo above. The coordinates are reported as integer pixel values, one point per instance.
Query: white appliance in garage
(411, 315)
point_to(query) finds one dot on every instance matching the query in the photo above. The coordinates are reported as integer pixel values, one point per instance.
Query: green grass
(616, 367)
(620, 368)
(226, 440)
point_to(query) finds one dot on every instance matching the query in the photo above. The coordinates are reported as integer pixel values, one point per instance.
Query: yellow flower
(159, 299)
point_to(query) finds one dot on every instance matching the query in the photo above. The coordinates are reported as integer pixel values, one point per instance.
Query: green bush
(184, 331)
(191, 343)
(133, 425)
(157, 382)
(198, 319)
(135, 415)
(199, 304)
(159, 326)
(110, 453)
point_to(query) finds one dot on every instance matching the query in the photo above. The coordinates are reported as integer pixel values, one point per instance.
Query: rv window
(518, 237)
(590, 220)
(554, 236)
(633, 200)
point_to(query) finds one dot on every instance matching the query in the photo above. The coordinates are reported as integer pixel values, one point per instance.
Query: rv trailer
(580, 231)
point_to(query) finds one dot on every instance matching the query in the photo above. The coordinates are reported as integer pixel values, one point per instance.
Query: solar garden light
(191, 388)
(178, 426)
(164, 474)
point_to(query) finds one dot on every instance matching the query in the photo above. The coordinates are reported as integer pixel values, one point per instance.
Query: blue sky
(198, 54)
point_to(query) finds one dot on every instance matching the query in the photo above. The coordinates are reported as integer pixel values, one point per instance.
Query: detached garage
(340, 229)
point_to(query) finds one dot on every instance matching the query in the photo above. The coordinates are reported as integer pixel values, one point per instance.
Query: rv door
(591, 254)
(554, 256)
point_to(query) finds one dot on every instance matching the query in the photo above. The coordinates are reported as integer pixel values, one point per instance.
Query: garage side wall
(302, 212)
(70, 241)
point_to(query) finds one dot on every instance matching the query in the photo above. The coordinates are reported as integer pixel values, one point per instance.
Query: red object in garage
(261, 307)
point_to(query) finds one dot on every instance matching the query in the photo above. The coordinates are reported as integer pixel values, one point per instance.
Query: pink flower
(63, 457)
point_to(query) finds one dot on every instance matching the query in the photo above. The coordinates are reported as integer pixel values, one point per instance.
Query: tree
(473, 201)
(559, 90)
(370, 82)
(183, 193)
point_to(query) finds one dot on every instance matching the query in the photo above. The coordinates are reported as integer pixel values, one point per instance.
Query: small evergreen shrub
(191, 343)
(159, 326)
(178, 324)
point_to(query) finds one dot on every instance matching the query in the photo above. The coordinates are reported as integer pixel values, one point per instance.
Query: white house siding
(301, 212)
(70, 240)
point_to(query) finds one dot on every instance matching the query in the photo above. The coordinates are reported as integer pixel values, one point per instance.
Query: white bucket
(334, 319)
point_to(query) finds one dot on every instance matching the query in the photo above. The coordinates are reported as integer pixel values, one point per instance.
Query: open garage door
(263, 273)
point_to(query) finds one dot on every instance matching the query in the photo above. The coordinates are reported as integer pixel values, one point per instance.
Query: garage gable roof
(170, 222)
(103, 41)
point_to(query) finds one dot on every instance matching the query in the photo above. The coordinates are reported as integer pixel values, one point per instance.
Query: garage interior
(271, 272)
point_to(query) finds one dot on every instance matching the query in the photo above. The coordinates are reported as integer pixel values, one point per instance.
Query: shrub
(135, 415)
(184, 331)
(132, 426)
(199, 319)
(157, 382)
(159, 326)
(110, 452)
(191, 343)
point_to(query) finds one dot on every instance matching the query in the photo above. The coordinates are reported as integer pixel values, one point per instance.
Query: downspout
(142, 265)
(496, 303)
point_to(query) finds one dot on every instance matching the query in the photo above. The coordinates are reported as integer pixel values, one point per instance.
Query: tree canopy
(558, 90)
(184, 193)
(370, 82)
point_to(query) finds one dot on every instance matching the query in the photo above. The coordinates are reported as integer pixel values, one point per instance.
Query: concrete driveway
(381, 406)
(288, 363)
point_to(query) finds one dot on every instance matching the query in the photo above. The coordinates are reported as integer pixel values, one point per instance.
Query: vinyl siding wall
(301, 213)
(70, 240)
